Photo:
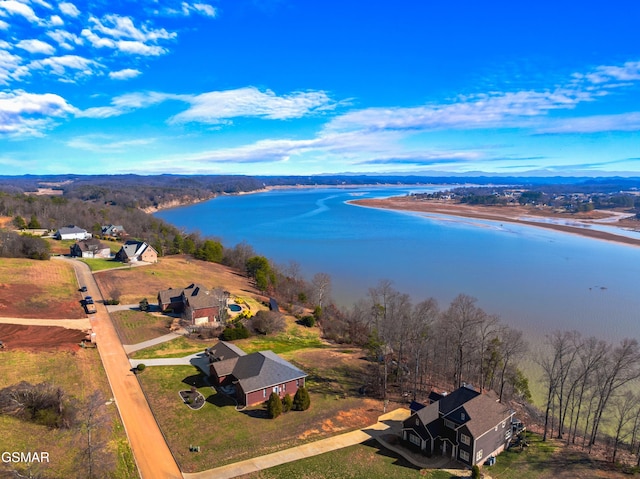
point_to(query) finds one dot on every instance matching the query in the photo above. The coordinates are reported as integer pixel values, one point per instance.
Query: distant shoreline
(498, 214)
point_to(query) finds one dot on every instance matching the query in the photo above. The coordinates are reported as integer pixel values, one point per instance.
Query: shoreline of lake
(463, 211)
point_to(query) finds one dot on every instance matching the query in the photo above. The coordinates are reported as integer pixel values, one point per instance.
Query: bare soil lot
(135, 283)
(136, 326)
(38, 289)
(39, 338)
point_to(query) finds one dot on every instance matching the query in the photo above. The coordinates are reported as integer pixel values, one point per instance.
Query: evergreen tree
(301, 401)
(274, 406)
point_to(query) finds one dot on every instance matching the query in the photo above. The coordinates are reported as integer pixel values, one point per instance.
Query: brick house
(133, 251)
(465, 425)
(251, 378)
(197, 304)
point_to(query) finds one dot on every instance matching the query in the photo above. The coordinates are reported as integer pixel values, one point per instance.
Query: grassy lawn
(39, 289)
(226, 435)
(137, 326)
(295, 338)
(100, 264)
(364, 461)
(176, 348)
(79, 375)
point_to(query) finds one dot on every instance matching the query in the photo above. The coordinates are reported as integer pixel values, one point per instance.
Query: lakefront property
(251, 378)
(466, 426)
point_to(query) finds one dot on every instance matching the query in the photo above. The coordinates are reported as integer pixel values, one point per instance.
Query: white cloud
(65, 39)
(69, 9)
(60, 66)
(28, 114)
(116, 26)
(200, 8)
(16, 8)
(121, 34)
(8, 65)
(56, 21)
(127, 103)
(4, 25)
(139, 48)
(630, 71)
(125, 74)
(104, 143)
(36, 46)
(594, 124)
(218, 106)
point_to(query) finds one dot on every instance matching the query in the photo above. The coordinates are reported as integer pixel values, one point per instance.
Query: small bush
(308, 321)
(287, 403)
(274, 406)
(141, 367)
(301, 401)
(144, 305)
(231, 333)
(111, 302)
(475, 472)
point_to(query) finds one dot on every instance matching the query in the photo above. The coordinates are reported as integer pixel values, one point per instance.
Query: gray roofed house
(466, 425)
(72, 232)
(255, 376)
(90, 248)
(133, 251)
(197, 304)
(113, 230)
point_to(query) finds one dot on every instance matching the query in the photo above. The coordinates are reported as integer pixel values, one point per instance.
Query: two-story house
(465, 425)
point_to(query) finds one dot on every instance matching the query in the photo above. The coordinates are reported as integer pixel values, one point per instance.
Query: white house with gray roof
(72, 232)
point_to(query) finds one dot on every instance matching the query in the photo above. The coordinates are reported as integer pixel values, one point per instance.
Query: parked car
(88, 300)
(83, 289)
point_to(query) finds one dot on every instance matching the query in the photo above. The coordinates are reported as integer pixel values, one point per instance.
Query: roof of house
(134, 248)
(198, 297)
(110, 229)
(91, 244)
(71, 229)
(259, 370)
(223, 350)
(169, 296)
(484, 413)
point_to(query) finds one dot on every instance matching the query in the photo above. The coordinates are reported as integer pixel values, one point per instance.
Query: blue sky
(270, 87)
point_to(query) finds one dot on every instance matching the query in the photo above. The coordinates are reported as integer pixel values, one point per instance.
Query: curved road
(152, 455)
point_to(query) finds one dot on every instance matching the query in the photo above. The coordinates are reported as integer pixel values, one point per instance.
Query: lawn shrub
(309, 321)
(301, 401)
(274, 406)
(287, 403)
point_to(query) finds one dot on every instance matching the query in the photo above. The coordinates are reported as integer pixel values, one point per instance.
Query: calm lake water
(534, 279)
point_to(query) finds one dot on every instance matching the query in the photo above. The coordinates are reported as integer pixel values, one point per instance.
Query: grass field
(170, 272)
(38, 289)
(363, 461)
(137, 326)
(100, 264)
(79, 375)
(176, 348)
(226, 435)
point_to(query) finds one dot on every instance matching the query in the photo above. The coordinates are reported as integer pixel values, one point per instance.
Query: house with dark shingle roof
(90, 248)
(197, 304)
(465, 425)
(133, 251)
(253, 377)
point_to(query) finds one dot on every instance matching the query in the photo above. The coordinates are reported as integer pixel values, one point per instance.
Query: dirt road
(152, 455)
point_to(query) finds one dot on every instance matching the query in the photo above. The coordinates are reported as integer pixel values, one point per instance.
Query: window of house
(417, 422)
(507, 434)
(413, 439)
(504, 424)
(264, 393)
(462, 416)
(479, 455)
(464, 439)
(449, 424)
(464, 455)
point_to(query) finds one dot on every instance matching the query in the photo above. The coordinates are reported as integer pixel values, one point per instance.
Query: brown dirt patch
(40, 338)
(179, 271)
(22, 301)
